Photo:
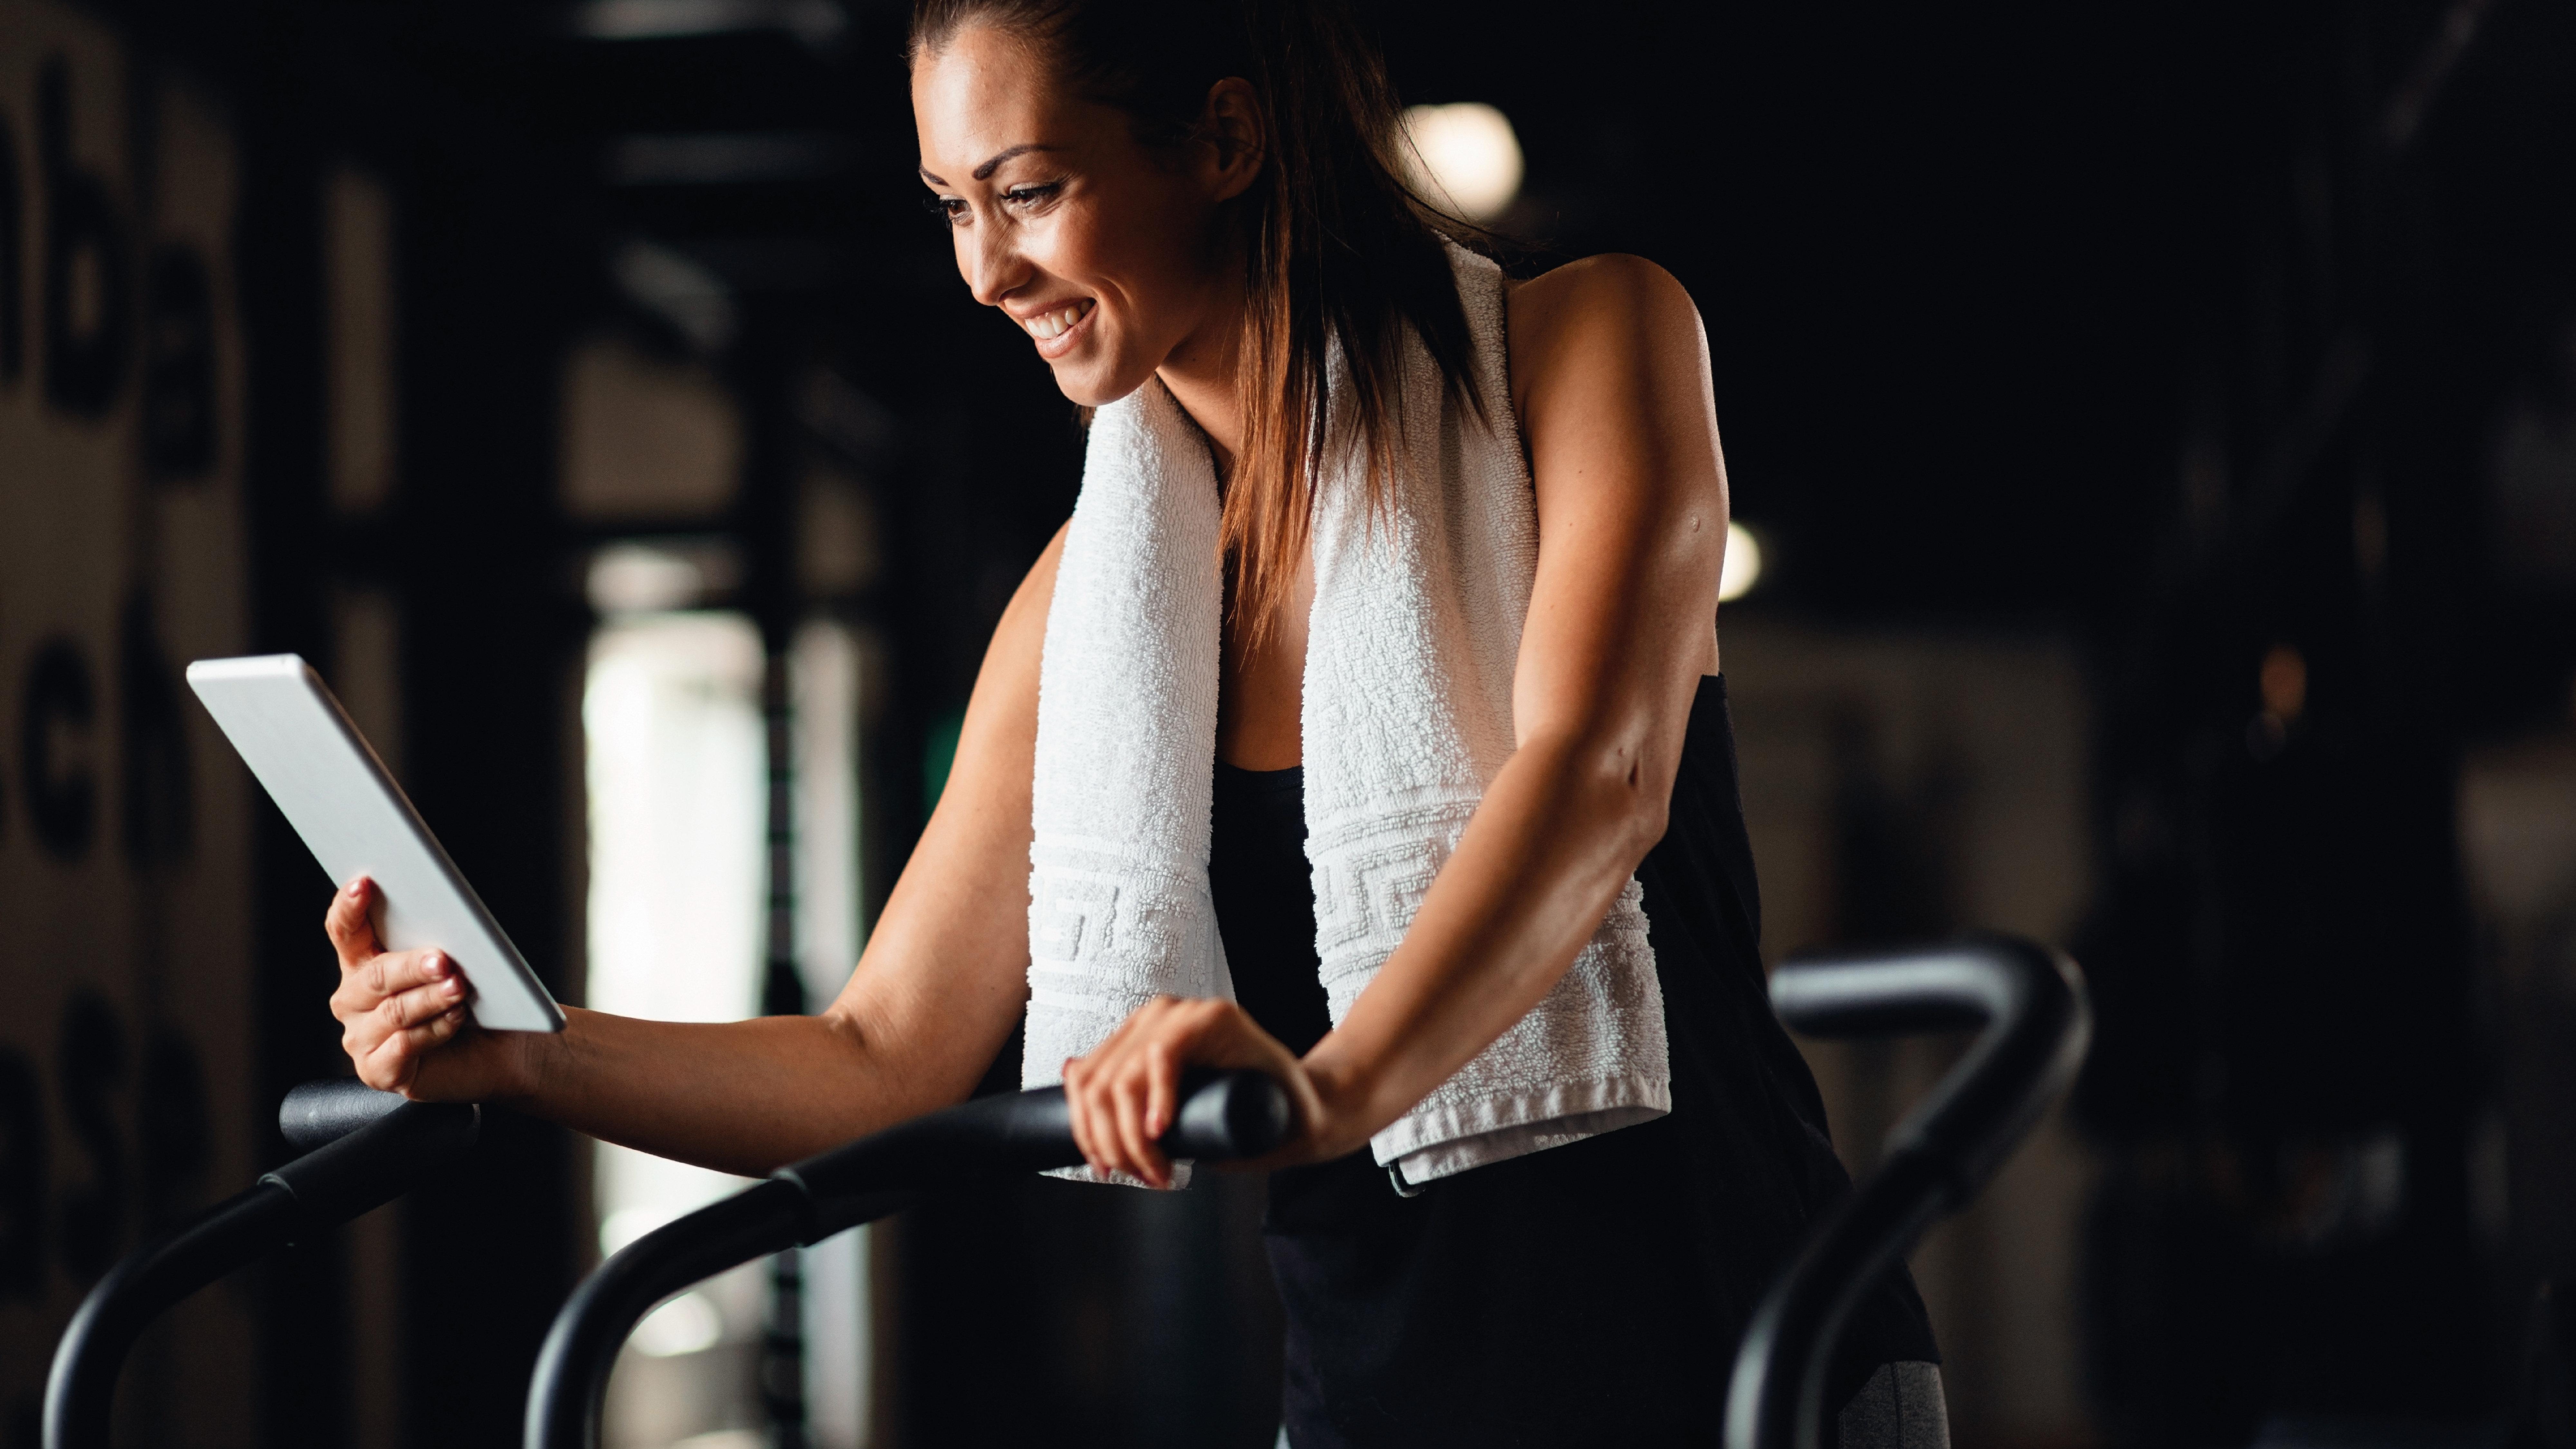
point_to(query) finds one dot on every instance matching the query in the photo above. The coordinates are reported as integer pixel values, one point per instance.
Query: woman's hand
(403, 1017)
(1127, 1093)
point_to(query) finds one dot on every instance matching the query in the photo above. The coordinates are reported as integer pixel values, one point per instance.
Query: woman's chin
(1092, 383)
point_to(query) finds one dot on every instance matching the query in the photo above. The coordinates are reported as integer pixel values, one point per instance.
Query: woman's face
(1109, 257)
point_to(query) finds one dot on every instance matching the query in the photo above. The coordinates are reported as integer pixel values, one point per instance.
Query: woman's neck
(1200, 374)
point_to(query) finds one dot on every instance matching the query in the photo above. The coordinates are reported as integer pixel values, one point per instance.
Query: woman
(1425, 566)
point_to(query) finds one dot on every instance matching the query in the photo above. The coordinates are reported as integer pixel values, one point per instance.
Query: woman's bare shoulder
(1613, 311)
(1613, 291)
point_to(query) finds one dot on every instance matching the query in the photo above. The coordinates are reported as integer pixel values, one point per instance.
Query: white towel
(1408, 716)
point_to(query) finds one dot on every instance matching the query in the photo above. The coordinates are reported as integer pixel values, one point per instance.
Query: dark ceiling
(1967, 273)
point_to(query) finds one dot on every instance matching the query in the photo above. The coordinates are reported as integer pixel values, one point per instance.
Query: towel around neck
(1407, 717)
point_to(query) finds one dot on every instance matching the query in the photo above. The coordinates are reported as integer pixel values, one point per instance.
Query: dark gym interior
(2156, 424)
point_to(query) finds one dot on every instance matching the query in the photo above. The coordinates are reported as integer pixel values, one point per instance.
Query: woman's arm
(1611, 382)
(942, 981)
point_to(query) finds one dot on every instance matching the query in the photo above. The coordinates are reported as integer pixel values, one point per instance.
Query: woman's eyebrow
(989, 167)
(985, 171)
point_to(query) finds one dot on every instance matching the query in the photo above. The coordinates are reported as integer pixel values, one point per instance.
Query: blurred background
(2153, 434)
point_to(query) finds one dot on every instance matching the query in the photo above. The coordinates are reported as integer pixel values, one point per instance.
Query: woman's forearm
(1560, 831)
(743, 1096)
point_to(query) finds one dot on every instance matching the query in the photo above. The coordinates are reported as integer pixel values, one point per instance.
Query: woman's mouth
(1054, 329)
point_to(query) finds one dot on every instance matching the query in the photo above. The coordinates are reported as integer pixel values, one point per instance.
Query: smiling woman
(1223, 234)
(1362, 726)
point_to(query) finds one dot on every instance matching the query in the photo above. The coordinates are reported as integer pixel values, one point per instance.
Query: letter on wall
(125, 824)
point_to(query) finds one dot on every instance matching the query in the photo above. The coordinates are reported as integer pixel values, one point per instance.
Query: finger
(350, 1004)
(1077, 1111)
(407, 1009)
(350, 926)
(421, 1040)
(364, 987)
(1107, 1151)
(1193, 1028)
(1162, 1092)
(388, 1065)
(395, 972)
(394, 1063)
(1144, 1159)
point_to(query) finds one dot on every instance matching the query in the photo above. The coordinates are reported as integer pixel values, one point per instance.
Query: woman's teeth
(1047, 326)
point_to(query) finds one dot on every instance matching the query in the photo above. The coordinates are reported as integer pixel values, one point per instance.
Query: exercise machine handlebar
(1224, 1116)
(363, 1148)
(322, 1112)
(2036, 1023)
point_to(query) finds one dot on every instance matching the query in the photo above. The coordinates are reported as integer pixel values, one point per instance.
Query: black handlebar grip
(318, 1113)
(1230, 1116)
(380, 1161)
(1224, 1116)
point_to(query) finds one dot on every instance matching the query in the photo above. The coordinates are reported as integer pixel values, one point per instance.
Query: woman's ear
(1231, 126)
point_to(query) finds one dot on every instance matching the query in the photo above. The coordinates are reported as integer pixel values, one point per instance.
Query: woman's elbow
(1653, 816)
(1629, 796)
(1648, 813)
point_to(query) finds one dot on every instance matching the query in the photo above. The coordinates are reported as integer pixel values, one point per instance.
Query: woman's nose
(993, 266)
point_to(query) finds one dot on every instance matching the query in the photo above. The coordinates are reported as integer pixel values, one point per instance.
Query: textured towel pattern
(1408, 716)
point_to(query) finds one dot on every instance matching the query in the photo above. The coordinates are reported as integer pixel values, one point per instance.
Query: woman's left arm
(1611, 381)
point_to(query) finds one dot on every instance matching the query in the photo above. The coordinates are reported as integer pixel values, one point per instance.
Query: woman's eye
(1030, 195)
(950, 209)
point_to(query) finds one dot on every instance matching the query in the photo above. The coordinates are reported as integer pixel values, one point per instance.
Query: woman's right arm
(935, 995)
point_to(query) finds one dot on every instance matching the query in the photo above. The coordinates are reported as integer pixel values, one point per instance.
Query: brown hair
(1336, 246)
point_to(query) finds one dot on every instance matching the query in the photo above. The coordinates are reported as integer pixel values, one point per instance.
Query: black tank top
(1588, 1294)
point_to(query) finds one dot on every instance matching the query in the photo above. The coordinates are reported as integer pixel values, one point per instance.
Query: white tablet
(355, 819)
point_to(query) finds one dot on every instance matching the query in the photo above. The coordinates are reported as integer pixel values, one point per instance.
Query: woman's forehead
(981, 94)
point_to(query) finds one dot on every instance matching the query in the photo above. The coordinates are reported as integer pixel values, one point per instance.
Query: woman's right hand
(403, 1014)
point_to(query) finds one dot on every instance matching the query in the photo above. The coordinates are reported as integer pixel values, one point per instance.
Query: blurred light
(675, 769)
(1743, 567)
(2283, 680)
(1463, 154)
(686, 1324)
(814, 22)
(626, 1224)
(673, 286)
(2285, 684)
(634, 578)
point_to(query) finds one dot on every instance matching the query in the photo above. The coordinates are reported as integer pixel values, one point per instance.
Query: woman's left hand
(1127, 1092)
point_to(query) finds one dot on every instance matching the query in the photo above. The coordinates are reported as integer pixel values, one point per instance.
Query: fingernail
(434, 963)
(451, 987)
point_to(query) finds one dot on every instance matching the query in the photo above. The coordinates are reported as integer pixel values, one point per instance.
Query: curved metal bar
(81, 1390)
(2031, 1002)
(1228, 1115)
(571, 1379)
(370, 1153)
